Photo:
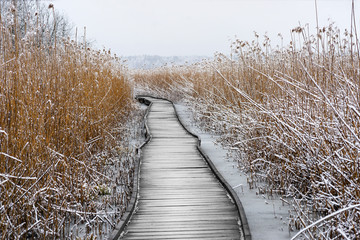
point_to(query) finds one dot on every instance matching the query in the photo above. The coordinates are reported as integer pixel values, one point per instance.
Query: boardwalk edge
(125, 219)
(244, 223)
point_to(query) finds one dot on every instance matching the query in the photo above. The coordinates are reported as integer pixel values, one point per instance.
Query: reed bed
(292, 116)
(66, 121)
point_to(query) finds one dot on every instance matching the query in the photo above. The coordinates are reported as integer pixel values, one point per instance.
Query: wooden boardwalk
(179, 196)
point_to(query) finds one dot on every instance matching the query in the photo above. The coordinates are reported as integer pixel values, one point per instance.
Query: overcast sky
(193, 27)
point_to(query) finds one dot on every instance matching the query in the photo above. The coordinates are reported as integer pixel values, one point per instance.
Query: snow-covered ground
(268, 217)
(153, 61)
(108, 205)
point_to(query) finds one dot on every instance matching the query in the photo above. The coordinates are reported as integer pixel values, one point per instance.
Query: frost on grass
(291, 114)
(68, 129)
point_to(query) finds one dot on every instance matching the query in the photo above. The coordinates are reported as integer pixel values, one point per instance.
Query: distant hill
(153, 61)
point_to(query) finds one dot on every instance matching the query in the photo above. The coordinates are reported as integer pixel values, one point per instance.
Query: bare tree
(34, 17)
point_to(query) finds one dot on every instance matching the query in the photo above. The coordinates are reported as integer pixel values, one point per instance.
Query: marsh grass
(65, 113)
(291, 113)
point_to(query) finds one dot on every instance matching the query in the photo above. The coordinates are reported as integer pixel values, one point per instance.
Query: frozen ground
(267, 216)
(108, 206)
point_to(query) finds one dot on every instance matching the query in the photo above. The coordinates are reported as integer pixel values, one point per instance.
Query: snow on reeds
(291, 113)
(65, 110)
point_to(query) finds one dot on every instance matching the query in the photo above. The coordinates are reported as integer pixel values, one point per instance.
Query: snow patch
(268, 215)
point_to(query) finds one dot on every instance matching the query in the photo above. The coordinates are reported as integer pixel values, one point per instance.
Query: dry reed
(65, 124)
(292, 115)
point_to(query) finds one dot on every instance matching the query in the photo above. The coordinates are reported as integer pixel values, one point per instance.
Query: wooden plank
(179, 196)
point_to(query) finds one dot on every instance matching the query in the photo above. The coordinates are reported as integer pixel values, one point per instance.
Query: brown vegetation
(292, 115)
(64, 119)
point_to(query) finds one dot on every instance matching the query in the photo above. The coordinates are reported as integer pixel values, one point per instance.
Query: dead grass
(291, 113)
(63, 115)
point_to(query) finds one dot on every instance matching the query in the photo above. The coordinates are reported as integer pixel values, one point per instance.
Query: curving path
(179, 197)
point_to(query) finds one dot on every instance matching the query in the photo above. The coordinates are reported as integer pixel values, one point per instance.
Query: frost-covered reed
(65, 110)
(291, 113)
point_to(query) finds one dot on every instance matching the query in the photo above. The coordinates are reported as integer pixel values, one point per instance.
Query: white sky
(193, 27)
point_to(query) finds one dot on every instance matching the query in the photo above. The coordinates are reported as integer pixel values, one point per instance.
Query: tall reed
(64, 109)
(292, 115)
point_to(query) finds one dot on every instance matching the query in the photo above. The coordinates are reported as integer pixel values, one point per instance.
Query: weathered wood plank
(179, 196)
